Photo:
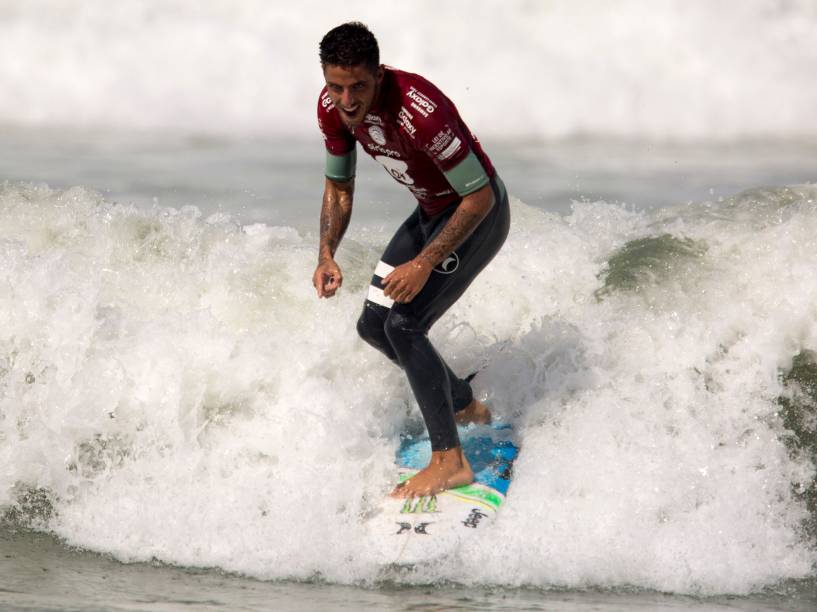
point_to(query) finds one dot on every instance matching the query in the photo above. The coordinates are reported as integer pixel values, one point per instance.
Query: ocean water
(184, 425)
(173, 394)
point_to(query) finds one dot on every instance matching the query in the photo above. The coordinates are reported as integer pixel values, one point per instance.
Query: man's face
(353, 90)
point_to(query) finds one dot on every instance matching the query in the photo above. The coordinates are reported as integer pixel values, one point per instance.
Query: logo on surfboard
(418, 528)
(474, 518)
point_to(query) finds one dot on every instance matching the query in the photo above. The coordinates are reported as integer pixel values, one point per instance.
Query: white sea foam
(176, 387)
(675, 69)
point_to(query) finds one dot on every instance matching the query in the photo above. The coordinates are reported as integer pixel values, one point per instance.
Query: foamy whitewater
(667, 69)
(172, 389)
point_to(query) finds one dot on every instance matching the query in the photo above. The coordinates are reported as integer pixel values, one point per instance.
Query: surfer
(462, 218)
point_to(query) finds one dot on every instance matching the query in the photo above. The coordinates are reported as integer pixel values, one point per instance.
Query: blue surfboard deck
(489, 449)
(417, 530)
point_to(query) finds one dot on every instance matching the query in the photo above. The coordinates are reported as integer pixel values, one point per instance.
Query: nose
(346, 98)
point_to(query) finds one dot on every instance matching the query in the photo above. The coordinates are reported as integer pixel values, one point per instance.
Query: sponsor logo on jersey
(376, 133)
(450, 149)
(373, 119)
(442, 141)
(421, 193)
(397, 168)
(420, 102)
(380, 149)
(419, 110)
(326, 102)
(404, 119)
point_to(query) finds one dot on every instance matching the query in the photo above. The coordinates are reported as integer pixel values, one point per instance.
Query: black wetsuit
(418, 136)
(400, 331)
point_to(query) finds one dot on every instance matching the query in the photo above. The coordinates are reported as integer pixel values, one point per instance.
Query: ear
(380, 72)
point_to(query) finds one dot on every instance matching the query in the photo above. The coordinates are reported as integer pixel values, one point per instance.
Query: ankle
(475, 412)
(449, 456)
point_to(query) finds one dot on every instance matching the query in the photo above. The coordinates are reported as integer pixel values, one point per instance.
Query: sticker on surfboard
(420, 529)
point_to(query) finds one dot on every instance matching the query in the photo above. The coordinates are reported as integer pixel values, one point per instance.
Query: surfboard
(421, 529)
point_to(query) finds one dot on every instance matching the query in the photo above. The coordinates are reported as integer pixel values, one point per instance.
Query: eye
(359, 86)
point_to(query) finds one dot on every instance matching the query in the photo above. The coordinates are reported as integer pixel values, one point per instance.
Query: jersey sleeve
(427, 116)
(341, 154)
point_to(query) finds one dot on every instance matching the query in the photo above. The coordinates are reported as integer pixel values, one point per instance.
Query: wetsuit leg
(405, 326)
(407, 242)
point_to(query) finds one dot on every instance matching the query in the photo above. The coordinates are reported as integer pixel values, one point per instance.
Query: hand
(327, 278)
(404, 282)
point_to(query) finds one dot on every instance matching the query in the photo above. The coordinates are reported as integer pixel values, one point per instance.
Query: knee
(400, 330)
(370, 328)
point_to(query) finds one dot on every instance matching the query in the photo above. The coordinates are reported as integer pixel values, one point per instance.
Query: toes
(399, 490)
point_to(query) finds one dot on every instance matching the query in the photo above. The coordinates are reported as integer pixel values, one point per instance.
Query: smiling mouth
(351, 116)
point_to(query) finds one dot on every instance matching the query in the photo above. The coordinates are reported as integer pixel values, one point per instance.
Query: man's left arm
(406, 280)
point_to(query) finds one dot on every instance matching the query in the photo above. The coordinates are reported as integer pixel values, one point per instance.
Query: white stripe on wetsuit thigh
(376, 294)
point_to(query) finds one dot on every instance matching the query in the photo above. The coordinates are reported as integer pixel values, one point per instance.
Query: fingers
(396, 291)
(394, 284)
(318, 283)
(329, 285)
(327, 281)
(399, 290)
(405, 282)
(405, 296)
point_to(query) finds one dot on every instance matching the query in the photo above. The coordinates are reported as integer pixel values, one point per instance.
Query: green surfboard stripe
(485, 494)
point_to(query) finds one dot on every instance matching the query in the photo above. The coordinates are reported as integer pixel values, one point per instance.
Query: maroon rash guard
(416, 133)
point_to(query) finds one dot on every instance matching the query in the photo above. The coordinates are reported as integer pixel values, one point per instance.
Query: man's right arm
(338, 191)
(336, 212)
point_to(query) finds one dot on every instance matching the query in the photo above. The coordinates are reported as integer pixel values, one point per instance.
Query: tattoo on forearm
(335, 214)
(461, 224)
(331, 229)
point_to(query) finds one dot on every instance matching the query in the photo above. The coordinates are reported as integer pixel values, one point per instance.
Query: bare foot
(475, 412)
(448, 469)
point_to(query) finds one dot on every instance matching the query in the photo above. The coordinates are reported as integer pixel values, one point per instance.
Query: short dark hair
(350, 44)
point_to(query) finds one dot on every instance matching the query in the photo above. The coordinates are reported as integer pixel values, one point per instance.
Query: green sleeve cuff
(341, 168)
(468, 176)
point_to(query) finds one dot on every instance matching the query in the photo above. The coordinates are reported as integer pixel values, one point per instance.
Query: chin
(355, 120)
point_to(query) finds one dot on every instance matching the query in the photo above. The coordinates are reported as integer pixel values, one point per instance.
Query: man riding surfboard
(462, 219)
